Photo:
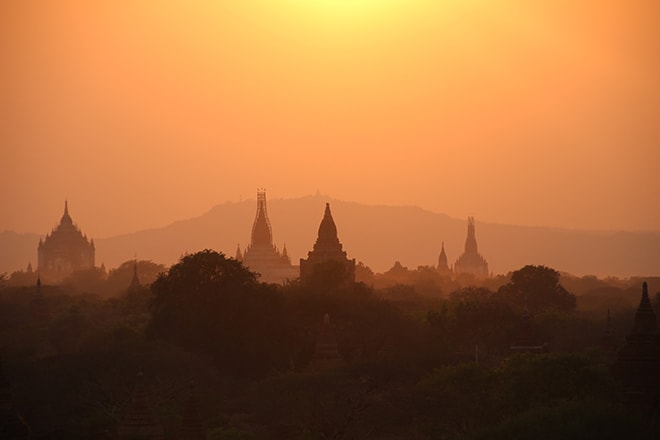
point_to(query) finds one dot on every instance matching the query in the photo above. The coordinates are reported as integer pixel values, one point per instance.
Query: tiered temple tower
(638, 364)
(471, 261)
(443, 266)
(327, 248)
(64, 250)
(261, 255)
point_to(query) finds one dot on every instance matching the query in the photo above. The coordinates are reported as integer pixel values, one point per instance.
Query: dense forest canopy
(419, 355)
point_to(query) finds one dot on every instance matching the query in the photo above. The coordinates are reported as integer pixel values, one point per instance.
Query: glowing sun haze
(142, 113)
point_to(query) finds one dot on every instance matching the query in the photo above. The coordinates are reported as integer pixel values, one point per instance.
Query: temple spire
(471, 240)
(645, 320)
(327, 237)
(261, 255)
(443, 266)
(66, 218)
(135, 282)
(326, 248)
(471, 261)
(262, 234)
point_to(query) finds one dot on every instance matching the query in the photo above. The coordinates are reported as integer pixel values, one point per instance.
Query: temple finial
(66, 218)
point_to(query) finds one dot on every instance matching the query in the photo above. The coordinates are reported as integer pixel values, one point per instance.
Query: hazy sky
(142, 113)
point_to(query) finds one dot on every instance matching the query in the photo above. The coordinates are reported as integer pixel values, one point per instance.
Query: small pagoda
(638, 365)
(327, 248)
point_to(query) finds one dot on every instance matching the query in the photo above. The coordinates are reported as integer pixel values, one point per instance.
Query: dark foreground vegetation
(423, 358)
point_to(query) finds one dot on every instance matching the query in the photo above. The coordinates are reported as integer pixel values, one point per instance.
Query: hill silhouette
(375, 235)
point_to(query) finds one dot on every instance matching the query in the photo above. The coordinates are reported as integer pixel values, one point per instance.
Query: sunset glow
(516, 112)
(329, 219)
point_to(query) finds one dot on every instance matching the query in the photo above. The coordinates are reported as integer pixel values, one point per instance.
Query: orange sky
(515, 111)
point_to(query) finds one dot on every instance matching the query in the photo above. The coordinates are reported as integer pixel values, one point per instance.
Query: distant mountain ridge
(374, 234)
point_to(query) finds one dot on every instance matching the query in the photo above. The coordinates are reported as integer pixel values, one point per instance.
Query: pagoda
(261, 256)
(135, 285)
(443, 266)
(327, 248)
(471, 261)
(638, 365)
(64, 250)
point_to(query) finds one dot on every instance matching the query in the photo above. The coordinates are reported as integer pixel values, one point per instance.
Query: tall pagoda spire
(261, 256)
(135, 282)
(443, 266)
(638, 362)
(262, 234)
(471, 240)
(471, 261)
(645, 320)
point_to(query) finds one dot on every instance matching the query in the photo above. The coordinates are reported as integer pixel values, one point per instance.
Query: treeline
(95, 280)
(411, 365)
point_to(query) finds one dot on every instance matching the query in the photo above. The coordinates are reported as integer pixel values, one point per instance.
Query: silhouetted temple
(638, 364)
(261, 255)
(327, 248)
(443, 266)
(139, 421)
(471, 261)
(64, 250)
(135, 285)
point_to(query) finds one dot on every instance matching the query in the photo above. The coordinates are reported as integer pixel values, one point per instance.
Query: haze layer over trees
(412, 360)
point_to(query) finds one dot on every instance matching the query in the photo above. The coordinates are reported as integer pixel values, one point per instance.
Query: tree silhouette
(537, 288)
(214, 305)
